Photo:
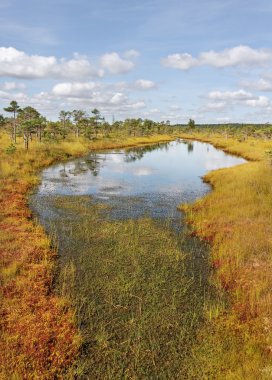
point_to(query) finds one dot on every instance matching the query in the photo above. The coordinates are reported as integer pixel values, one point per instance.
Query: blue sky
(206, 59)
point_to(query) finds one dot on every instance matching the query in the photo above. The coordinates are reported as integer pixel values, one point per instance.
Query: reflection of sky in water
(149, 181)
(174, 168)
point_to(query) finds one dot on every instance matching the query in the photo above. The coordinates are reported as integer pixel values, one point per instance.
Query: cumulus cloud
(182, 61)
(106, 97)
(139, 85)
(19, 96)
(224, 99)
(17, 64)
(237, 56)
(143, 84)
(259, 85)
(82, 89)
(114, 64)
(86, 89)
(118, 98)
(230, 95)
(75, 89)
(260, 101)
(10, 86)
(232, 57)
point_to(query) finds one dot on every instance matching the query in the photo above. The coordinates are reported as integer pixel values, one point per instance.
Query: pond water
(145, 181)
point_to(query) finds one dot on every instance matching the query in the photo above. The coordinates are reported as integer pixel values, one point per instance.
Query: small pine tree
(191, 124)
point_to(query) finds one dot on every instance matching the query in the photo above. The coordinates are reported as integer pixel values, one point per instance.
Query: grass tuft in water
(136, 305)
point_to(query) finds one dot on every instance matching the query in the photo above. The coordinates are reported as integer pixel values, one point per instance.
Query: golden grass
(236, 218)
(39, 338)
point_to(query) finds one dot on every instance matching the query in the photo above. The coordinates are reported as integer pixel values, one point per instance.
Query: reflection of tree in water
(190, 146)
(63, 173)
(94, 163)
(134, 154)
(91, 164)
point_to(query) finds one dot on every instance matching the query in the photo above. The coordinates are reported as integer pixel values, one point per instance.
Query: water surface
(147, 181)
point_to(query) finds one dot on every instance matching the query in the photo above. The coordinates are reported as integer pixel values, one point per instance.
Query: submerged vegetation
(147, 320)
(137, 308)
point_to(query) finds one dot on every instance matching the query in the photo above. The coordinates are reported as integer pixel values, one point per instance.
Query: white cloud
(19, 96)
(143, 84)
(140, 85)
(260, 101)
(136, 105)
(236, 56)
(131, 54)
(17, 64)
(92, 94)
(10, 86)
(118, 98)
(224, 99)
(260, 85)
(113, 63)
(75, 89)
(182, 61)
(230, 95)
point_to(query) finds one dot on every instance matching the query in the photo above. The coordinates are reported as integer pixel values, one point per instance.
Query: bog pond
(138, 282)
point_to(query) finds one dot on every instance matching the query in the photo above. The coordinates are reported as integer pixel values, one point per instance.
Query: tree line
(27, 122)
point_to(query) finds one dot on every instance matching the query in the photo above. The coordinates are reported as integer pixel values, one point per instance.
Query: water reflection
(134, 154)
(190, 147)
(161, 175)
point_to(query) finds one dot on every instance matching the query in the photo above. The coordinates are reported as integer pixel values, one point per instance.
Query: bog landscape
(136, 223)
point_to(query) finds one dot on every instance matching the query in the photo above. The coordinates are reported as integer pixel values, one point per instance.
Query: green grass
(137, 304)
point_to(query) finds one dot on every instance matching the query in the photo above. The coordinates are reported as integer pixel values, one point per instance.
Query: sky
(210, 60)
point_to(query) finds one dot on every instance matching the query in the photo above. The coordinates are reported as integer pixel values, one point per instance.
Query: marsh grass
(236, 219)
(138, 301)
(177, 328)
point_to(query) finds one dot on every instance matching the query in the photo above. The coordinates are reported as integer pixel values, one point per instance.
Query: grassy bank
(236, 219)
(39, 336)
